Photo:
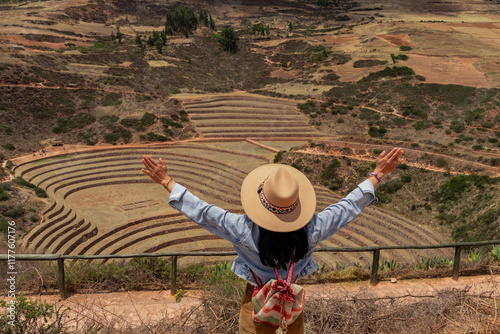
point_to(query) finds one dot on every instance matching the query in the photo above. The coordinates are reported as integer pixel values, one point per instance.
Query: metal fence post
(61, 278)
(456, 262)
(173, 276)
(375, 264)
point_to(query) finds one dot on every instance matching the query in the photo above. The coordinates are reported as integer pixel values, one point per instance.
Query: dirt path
(137, 307)
(54, 151)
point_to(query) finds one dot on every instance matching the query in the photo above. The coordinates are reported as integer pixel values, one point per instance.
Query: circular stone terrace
(103, 204)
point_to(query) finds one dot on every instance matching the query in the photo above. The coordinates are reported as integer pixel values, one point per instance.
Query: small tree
(156, 36)
(159, 45)
(229, 40)
(151, 41)
(138, 39)
(211, 22)
(163, 37)
(119, 36)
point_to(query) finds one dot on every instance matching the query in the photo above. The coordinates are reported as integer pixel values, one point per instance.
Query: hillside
(322, 86)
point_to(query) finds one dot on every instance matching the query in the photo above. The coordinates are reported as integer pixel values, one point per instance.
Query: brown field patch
(52, 5)
(446, 70)
(477, 25)
(282, 74)
(397, 40)
(87, 69)
(18, 39)
(160, 63)
(487, 35)
(334, 40)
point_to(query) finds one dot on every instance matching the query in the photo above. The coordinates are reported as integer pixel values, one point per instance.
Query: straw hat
(278, 198)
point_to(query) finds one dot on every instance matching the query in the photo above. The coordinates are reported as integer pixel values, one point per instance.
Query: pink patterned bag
(279, 302)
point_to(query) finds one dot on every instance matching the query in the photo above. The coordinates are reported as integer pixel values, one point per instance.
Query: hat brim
(288, 222)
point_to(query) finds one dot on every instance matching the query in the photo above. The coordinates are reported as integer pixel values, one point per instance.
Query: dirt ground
(137, 307)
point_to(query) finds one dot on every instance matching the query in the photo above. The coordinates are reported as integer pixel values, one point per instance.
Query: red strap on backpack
(279, 302)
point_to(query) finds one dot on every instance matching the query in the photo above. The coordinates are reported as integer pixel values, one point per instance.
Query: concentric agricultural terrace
(104, 204)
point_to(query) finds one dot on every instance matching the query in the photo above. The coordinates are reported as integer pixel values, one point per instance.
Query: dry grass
(459, 310)
(453, 311)
(449, 311)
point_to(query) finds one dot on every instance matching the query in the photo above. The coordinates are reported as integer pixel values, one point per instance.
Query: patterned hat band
(271, 207)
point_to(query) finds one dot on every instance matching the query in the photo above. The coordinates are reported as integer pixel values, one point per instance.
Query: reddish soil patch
(18, 39)
(335, 40)
(398, 40)
(445, 70)
(282, 74)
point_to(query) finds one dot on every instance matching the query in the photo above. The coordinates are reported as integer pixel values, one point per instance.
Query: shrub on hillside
(485, 227)
(308, 107)
(422, 125)
(139, 124)
(455, 95)
(330, 177)
(452, 190)
(79, 121)
(12, 212)
(395, 71)
(112, 99)
(368, 63)
(32, 317)
(38, 191)
(5, 188)
(116, 133)
(228, 40)
(330, 78)
(390, 187)
(377, 132)
(368, 115)
(415, 107)
(9, 146)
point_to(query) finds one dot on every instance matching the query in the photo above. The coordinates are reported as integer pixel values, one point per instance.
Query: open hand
(156, 171)
(387, 163)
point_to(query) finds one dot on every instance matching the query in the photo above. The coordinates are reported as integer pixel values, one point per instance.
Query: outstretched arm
(227, 225)
(337, 215)
(158, 172)
(386, 164)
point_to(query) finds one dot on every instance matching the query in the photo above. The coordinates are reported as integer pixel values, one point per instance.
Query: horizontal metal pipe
(52, 257)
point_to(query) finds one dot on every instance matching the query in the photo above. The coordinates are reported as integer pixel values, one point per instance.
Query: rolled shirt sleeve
(335, 216)
(227, 225)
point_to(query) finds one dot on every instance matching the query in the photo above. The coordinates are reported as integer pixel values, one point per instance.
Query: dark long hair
(276, 249)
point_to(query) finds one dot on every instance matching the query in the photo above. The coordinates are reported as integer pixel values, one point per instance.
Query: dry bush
(451, 311)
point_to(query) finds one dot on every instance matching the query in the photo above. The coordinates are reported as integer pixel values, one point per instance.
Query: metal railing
(173, 278)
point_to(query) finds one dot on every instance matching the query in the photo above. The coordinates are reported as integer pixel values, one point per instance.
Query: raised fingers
(148, 162)
(392, 153)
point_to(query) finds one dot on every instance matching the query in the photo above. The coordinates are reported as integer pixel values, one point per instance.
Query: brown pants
(248, 326)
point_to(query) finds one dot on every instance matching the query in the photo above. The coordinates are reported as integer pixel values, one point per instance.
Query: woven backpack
(278, 302)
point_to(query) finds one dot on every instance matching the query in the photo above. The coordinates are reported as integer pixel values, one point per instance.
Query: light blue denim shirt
(243, 233)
